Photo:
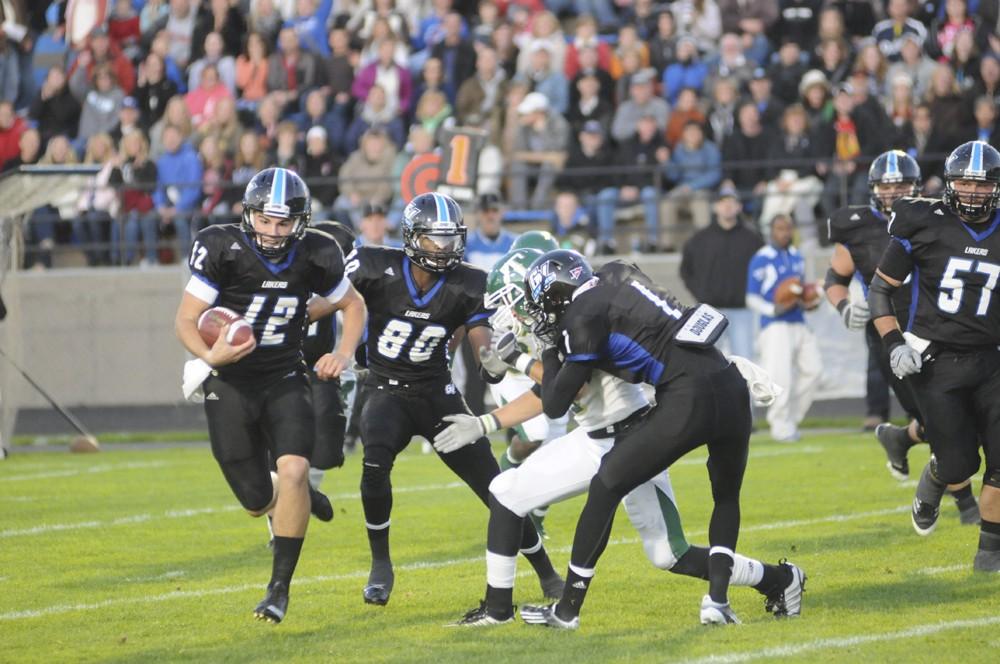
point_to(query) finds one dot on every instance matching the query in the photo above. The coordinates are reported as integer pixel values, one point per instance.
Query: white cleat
(713, 613)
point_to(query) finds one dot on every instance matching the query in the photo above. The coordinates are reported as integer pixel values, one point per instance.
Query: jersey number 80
(397, 333)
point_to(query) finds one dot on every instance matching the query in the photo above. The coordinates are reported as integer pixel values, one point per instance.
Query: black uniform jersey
(864, 233)
(622, 323)
(321, 336)
(955, 266)
(227, 271)
(408, 331)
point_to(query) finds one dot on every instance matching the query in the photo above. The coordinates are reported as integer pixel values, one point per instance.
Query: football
(211, 322)
(812, 296)
(788, 292)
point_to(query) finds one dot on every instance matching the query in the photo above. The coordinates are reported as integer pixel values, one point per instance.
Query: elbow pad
(835, 278)
(880, 298)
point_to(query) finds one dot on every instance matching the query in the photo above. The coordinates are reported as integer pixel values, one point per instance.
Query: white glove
(904, 360)
(855, 315)
(506, 347)
(763, 390)
(195, 373)
(463, 430)
(491, 362)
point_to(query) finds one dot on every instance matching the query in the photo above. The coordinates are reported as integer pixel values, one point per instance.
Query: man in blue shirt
(489, 241)
(788, 350)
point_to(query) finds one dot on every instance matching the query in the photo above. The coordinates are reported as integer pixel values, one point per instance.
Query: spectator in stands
(831, 25)
(362, 22)
(722, 110)
(686, 110)
(687, 71)
(268, 117)
(161, 47)
(291, 72)
(914, 63)
(100, 105)
(154, 90)
(641, 14)
(457, 56)
(419, 141)
(181, 25)
(55, 110)
(488, 240)
(590, 174)
(887, 33)
(730, 62)
(873, 64)
(899, 108)
(834, 60)
(540, 145)
(97, 202)
(433, 113)
(950, 112)
(201, 101)
(227, 20)
(10, 75)
(570, 220)
(128, 120)
(251, 69)
(363, 175)
(629, 44)
(480, 98)
(394, 80)
(138, 213)
(374, 227)
(338, 68)
(798, 23)
(930, 147)
(381, 32)
(744, 154)
(43, 221)
(944, 30)
(663, 42)
(249, 160)
(374, 112)
(843, 141)
(642, 156)
(320, 166)
(714, 268)
(100, 53)
(176, 115)
(217, 172)
(544, 78)
(986, 128)
(787, 71)
(589, 65)
(124, 30)
(965, 60)
(310, 24)
(752, 20)
(285, 152)
(788, 350)
(701, 19)
(29, 151)
(224, 126)
(769, 107)
(815, 91)
(266, 19)
(215, 55)
(178, 186)
(315, 114)
(793, 187)
(589, 105)
(585, 37)
(694, 169)
(151, 12)
(988, 83)
(431, 27)
(641, 102)
(486, 20)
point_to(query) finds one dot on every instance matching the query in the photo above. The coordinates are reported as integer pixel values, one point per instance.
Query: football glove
(904, 360)
(492, 364)
(463, 430)
(855, 314)
(507, 348)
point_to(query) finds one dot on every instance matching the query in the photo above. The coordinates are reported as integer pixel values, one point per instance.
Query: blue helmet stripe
(442, 207)
(278, 187)
(976, 160)
(892, 165)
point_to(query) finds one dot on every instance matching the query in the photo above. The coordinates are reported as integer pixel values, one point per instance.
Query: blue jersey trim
(914, 295)
(275, 268)
(979, 237)
(582, 357)
(478, 317)
(421, 302)
(628, 354)
(906, 244)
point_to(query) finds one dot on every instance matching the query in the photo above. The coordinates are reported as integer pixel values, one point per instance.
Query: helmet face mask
(280, 195)
(972, 181)
(549, 286)
(434, 232)
(893, 175)
(505, 288)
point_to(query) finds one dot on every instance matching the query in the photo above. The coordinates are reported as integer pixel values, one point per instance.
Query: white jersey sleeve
(607, 400)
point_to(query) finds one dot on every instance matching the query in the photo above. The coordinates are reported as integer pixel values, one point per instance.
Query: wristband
(893, 339)
(523, 363)
(843, 304)
(489, 423)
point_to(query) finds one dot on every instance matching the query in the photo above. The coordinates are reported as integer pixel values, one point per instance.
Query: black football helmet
(977, 161)
(892, 167)
(434, 232)
(341, 232)
(277, 192)
(549, 285)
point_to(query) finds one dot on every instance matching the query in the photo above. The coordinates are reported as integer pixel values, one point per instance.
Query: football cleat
(320, 505)
(788, 600)
(379, 587)
(986, 561)
(552, 586)
(924, 517)
(895, 441)
(274, 605)
(713, 613)
(546, 615)
(480, 617)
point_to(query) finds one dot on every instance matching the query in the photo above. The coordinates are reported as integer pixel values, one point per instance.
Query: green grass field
(144, 556)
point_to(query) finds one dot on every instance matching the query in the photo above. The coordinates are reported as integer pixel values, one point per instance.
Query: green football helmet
(505, 288)
(542, 240)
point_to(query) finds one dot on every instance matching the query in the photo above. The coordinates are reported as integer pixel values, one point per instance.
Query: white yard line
(361, 574)
(90, 470)
(839, 643)
(930, 571)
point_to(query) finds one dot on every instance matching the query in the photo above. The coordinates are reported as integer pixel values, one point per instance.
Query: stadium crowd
(590, 106)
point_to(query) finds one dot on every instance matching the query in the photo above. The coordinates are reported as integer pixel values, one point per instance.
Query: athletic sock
(577, 583)
(746, 571)
(773, 578)
(378, 540)
(929, 488)
(499, 602)
(286, 557)
(963, 497)
(989, 536)
(720, 569)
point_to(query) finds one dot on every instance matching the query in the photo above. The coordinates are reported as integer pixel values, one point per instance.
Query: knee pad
(954, 473)
(500, 488)
(375, 480)
(992, 477)
(660, 554)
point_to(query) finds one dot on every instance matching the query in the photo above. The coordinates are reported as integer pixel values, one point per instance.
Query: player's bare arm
(355, 314)
(186, 328)
(466, 429)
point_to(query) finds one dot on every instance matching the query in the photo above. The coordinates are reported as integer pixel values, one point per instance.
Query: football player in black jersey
(257, 398)
(417, 297)
(860, 235)
(620, 322)
(950, 351)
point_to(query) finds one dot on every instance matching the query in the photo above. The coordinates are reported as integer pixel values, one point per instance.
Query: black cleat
(787, 601)
(924, 517)
(274, 605)
(320, 505)
(480, 617)
(895, 441)
(379, 586)
(552, 586)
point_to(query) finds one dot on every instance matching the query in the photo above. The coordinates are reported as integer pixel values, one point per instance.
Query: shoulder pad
(843, 221)
(910, 215)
